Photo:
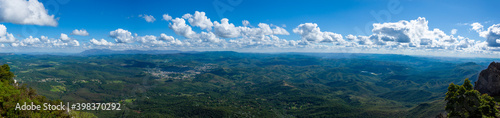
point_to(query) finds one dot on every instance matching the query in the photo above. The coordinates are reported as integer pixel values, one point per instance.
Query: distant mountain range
(108, 51)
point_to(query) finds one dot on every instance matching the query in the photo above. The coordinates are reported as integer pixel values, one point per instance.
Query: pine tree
(465, 102)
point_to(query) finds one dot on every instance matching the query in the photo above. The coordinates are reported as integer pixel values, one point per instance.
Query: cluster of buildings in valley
(185, 75)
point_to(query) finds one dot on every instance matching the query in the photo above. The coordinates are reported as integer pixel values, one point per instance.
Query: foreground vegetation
(465, 102)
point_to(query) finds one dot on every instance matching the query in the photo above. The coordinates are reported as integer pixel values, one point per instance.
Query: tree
(465, 102)
(5, 74)
(10, 95)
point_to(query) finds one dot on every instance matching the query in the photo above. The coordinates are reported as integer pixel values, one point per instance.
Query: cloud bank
(198, 32)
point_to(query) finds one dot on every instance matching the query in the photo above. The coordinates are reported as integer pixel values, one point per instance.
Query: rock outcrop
(489, 80)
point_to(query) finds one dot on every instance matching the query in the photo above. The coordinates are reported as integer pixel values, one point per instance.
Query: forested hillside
(13, 93)
(230, 84)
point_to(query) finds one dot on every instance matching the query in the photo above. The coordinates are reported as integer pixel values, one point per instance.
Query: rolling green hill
(231, 84)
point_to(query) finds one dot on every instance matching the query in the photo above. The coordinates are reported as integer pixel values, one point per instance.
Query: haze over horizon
(461, 29)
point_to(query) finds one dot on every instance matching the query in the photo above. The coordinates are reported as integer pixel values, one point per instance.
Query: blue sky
(355, 17)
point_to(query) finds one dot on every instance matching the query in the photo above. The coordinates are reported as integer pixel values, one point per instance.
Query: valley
(232, 84)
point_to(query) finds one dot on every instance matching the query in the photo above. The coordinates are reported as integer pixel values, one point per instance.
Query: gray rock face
(489, 80)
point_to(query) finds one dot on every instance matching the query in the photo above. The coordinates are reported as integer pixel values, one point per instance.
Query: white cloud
(209, 37)
(45, 42)
(81, 32)
(415, 33)
(280, 31)
(148, 18)
(222, 29)
(122, 36)
(6, 37)
(492, 35)
(64, 37)
(25, 12)
(267, 43)
(64, 40)
(245, 22)
(359, 40)
(187, 16)
(453, 31)
(165, 37)
(30, 41)
(101, 42)
(167, 17)
(256, 34)
(200, 20)
(311, 32)
(477, 27)
(225, 29)
(181, 28)
(3, 30)
(149, 40)
(170, 39)
(62, 43)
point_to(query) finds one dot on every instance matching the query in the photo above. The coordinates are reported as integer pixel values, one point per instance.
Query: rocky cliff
(489, 80)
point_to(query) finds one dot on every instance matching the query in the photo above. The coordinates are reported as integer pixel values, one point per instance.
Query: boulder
(489, 80)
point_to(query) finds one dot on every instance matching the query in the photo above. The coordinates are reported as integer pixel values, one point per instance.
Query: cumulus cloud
(267, 42)
(81, 32)
(453, 31)
(122, 36)
(170, 39)
(167, 17)
(181, 28)
(415, 33)
(280, 31)
(64, 40)
(25, 12)
(30, 41)
(360, 40)
(245, 22)
(393, 36)
(6, 37)
(64, 37)
(477, 27)
(209, 37)
(148, 18)
(149, 40)
(222, 29)
(492, 35)
(186, 16)
(199, 19)
(66, 43)
(225, 29)
(256, 34)
(165, 37)
(45, 42)
(261, 32)
(311, 32)
(101, 42)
